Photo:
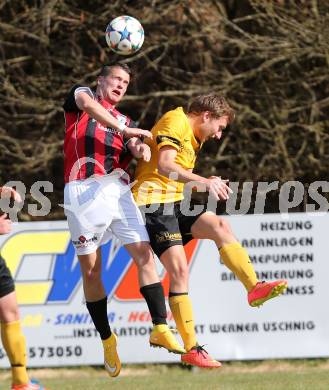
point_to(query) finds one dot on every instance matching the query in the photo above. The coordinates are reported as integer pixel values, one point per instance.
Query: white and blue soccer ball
(124, 35)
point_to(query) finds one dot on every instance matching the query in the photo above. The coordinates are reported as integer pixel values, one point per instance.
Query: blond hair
(215, 104)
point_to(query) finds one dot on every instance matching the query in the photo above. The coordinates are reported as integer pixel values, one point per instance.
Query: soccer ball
(124, 35)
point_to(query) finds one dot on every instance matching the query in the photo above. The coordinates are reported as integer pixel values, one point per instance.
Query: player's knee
(179, 274)
(11, 314)
(222, 228)
(15, 312)
(144, 256)
(92, 274)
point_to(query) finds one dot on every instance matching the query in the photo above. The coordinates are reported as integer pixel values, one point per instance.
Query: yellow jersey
(172, 129)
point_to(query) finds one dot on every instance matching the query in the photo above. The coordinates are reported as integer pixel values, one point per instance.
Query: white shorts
(98, 208)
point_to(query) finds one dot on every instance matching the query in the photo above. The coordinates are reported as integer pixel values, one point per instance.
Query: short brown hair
(106, 69)
(215, 104)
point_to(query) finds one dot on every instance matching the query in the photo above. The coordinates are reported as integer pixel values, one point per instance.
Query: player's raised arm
(89, 105)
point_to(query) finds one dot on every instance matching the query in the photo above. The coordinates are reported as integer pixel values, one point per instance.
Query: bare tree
(270, 58)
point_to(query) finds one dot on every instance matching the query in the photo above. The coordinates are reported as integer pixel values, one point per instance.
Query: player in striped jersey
(98, 202)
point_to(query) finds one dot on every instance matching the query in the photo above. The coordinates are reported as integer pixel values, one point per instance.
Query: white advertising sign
(59, 330)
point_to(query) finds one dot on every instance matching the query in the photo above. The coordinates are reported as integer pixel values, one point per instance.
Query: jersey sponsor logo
(107, 129)
(57, 278)
(84, 242)
(166, 236)
(121, 119)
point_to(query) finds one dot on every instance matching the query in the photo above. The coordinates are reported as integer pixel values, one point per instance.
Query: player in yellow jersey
(177, 138)
(12, 338)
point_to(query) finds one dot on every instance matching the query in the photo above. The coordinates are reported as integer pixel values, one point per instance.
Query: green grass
(293, 375)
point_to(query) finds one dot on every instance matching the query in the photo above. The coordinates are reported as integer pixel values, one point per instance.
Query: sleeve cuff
(83, 89)
(162, 144)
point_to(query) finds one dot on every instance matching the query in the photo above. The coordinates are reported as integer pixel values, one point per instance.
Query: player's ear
(205, 116)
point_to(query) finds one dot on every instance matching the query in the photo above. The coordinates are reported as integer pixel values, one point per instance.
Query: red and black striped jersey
(89, 147)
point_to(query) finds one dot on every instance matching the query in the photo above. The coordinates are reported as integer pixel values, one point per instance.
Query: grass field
(287, 375)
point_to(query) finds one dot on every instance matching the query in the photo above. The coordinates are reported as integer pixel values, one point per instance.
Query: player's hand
(9, 192)
(145, 152)
(5, 224)
(218, 188)
(130, 132)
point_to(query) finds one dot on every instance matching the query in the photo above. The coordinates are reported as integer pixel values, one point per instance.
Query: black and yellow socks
(155, 299)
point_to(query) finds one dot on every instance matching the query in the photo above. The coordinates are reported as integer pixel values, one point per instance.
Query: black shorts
(170, 224)
(7, 285)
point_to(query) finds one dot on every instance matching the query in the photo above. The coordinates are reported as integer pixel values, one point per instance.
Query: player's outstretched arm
(95, 110)
(130, 132)
(169, 168)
